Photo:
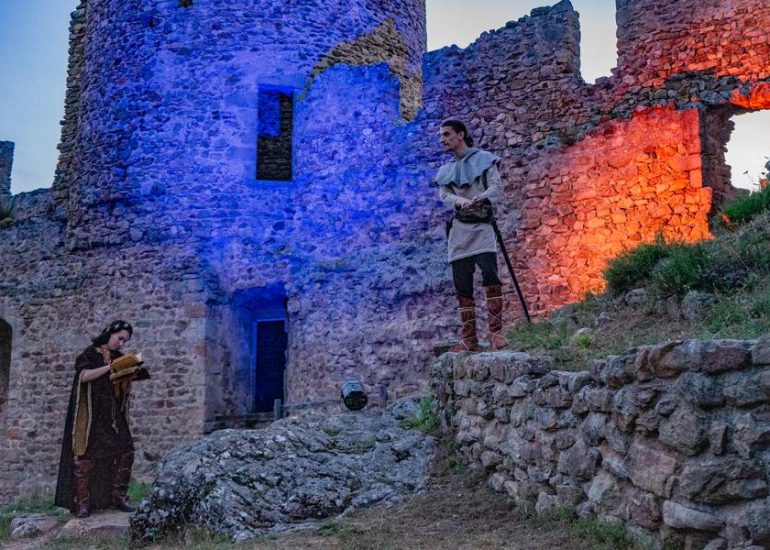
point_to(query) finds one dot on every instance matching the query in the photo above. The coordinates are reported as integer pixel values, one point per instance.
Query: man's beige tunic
(463, 177)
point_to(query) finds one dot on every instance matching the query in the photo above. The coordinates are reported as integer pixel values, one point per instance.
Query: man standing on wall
(470, 184)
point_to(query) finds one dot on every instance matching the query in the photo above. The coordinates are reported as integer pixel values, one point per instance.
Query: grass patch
(744, 209)
(625, 271)
(424, 418)
(36, 504)
(138, 490)
(680, 270)
(605, 535)
(338, 529)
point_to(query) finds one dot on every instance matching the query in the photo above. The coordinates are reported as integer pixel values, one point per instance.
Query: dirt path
(457, 510)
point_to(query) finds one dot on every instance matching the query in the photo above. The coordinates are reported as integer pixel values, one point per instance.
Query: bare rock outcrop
(247, 483)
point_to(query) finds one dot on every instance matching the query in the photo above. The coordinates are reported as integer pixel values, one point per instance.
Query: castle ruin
(248, 183)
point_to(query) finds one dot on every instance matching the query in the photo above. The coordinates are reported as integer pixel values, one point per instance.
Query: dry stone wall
(670, 439)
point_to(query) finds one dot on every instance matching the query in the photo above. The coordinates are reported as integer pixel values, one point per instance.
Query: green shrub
(424, 418)
(681, 270)
(626, 271)
(539, 336)
(138, 490)
(584, 340)
(744, 208)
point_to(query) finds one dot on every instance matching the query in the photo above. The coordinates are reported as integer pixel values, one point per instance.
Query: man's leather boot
(495, 306)
(121, 479)
(470, 341)
(81, 495)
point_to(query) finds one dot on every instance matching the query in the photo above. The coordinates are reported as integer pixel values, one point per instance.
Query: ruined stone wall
(156, 194)
(712, 37)
(669, 439)
(164, 223)
(54, 309)
(6, 163)
(577, 157)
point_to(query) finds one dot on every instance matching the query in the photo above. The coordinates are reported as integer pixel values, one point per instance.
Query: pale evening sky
(33, 64)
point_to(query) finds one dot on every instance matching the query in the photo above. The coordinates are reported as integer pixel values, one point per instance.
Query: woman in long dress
(97, 448)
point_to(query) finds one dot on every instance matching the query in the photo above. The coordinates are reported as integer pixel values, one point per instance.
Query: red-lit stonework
(757, 97)
(624, 183)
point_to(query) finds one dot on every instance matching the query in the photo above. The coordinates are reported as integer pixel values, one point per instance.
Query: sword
(499, 237)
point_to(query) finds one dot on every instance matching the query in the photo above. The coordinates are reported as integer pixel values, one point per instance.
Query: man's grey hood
(466, 169)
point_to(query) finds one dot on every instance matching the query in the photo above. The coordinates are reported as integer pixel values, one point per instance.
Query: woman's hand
(89, 375)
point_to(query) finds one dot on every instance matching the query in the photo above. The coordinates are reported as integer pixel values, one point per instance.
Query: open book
(129, 365)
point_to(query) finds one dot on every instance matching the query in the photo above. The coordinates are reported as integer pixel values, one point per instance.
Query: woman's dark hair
(115, 326)
(459, 126)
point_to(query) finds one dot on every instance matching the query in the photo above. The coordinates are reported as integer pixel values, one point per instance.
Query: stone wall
(670, 439)
(6, 163)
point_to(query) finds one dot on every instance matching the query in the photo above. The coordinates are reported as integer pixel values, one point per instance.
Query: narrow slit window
(274, 138)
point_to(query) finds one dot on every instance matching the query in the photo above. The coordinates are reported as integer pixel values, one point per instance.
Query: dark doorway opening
(269, 341)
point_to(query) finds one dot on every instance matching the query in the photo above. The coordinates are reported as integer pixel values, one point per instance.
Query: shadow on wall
(5, 364)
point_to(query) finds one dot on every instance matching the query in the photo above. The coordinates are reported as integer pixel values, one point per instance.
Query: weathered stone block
(666, 405)
(643, 508)
(624, 409)
(605, 492)
(619, 371)
(573, 381)
(751, 434)
(718, 438)
(480, 370)
(462, 388)
(722, 481)
(651, 469)
(546, 503)
(700, 389)
(760, 352)
(546, 419)
(490, 459)
(569, 495)
(695, 304)
(520, 386)
(580, 461)
(617, 440)
(742, 389)
(592, 427)
(557, 397)
(685, 430)
(681, 517)
(564, 440)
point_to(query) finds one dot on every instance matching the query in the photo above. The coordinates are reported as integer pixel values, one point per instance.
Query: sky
(33, 65)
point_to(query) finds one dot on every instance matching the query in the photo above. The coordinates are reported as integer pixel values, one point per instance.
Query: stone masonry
(156, 215)
(670, 439)
(6, 163)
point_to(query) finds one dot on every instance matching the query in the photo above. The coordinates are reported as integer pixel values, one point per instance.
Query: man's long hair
(459, 126)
